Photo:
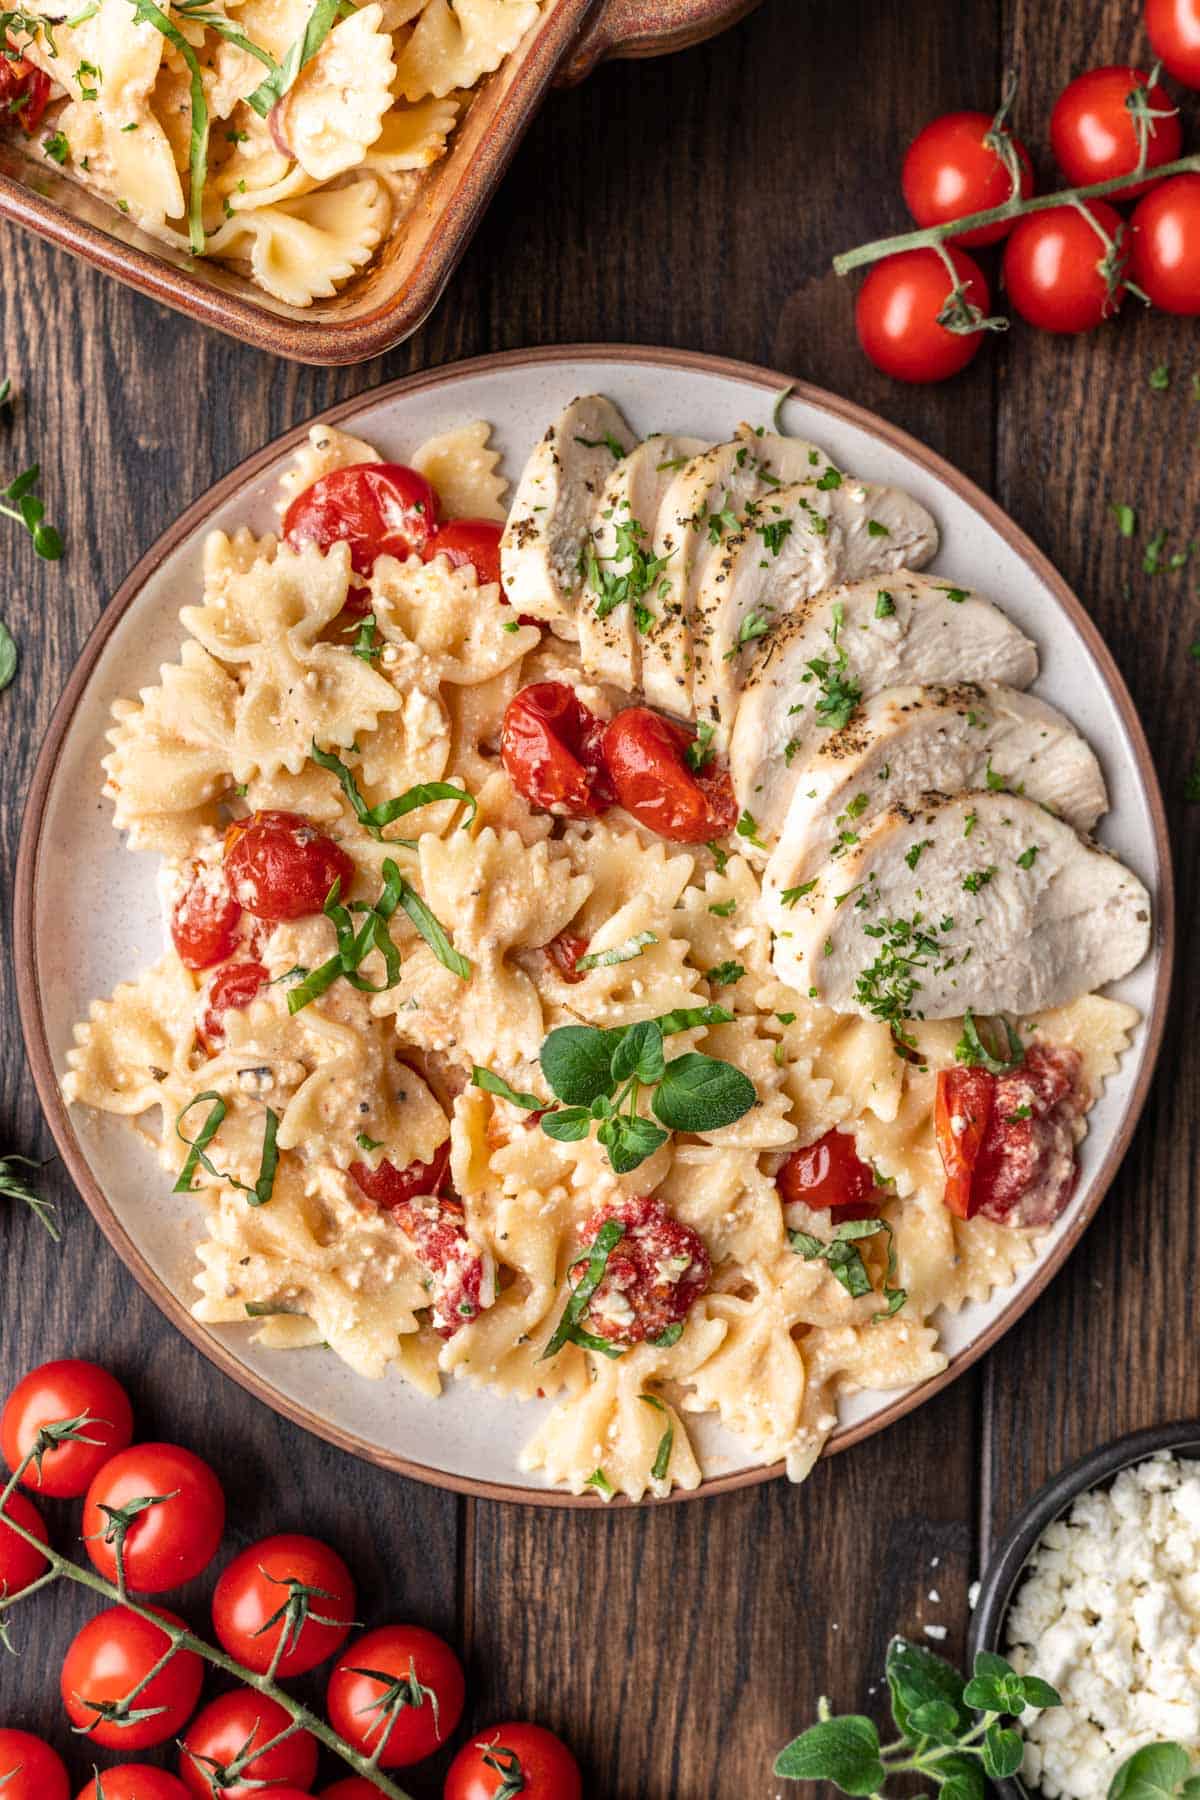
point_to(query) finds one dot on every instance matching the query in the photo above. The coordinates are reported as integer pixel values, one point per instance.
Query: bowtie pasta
(284, 136)
(373, 937)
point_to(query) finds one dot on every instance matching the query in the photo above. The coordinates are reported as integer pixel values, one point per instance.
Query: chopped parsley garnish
(747, 827)
(912, 855)
(996, 783)
(840, 694)
(754, 625)
(1019, 1113)
(979, 878)
(875, 528)
(723, 909)
(726, 974)
(1160, 377)
(775, 534)
(1027, 857)
(607, 442)
(955, 595)
(621, 953)
(603, 1486)
(856, 807)
(641, 573)
(889, 985)
(832, 478)
(790, 895)
(719, 522)
(885, 606)
(700, 751)
(368, 1143)
(56, 147)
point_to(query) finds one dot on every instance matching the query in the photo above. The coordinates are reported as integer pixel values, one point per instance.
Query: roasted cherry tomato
(168, 1543)
(473, 543)
(257, 1587)
(396, 1673)
(1054, 267)
(390, 1187)
(24, 96)
(435, 1223)
(829, 1173)
(564, 952)
(1007, 1141)
(112, 1653)
(20, 1563)
(1165, 233)
(1094, 132)
(655, 1272)
(379, 509)
(235, 1722)
(962, 1113)
(135, 1781)
(204, 924)
(1174, 27)
(514, 1758)
(280, 866)
(953, 167)
(550, 745)
(646, 758)
(58, 1391)
(29, 1769)
(899, 311)
(233, 988)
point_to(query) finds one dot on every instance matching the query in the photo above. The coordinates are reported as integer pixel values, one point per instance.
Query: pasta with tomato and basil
(474, 1037)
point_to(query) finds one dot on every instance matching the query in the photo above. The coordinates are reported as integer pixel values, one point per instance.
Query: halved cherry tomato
(651, 1280)
(497, 1759)
(261, 1581)
(390, 1187)
(1165, 229)
(234, 987)
(1174, 28)
(1094, 135)
(564, 952)
(59, 1391)
(280, 866)
(898, 308)
(951, 169)
(550, 746)
(829, 1173)
(473, 543)
(379, 509)
(204, 924)
(645, 756)
(166, 1544)
(1053, 267)
(232, 1723)
(135, 1781)
(394, 1674)
(30, 1769)
(962, 1113)
(113, 1652)
(20, 1563)
(1022, 1171)
(24, 91)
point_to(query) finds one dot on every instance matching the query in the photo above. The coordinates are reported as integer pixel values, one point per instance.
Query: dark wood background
(692, 202)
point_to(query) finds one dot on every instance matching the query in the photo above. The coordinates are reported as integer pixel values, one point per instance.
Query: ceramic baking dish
(397, 291)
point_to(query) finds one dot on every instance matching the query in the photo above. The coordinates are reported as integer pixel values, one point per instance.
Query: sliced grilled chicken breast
(548, 522)
(867, 636)
(621, 532)
(982, 899)
(702, 503)
(793, 543)
(909, 741)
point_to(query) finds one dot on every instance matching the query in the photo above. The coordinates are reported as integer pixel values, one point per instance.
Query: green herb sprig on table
(20, 501)
(18, 1187)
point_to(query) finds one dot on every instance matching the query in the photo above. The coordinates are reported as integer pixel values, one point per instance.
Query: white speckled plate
(76, 940)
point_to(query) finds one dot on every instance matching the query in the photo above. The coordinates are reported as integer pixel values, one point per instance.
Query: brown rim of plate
(29, 999)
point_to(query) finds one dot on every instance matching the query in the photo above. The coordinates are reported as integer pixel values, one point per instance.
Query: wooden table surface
(691, 202)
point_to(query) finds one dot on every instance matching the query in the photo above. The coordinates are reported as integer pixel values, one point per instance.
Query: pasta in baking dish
(284, 136)
(490, 1080)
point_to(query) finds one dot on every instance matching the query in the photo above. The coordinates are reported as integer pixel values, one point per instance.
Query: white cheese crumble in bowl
(1096, 1589)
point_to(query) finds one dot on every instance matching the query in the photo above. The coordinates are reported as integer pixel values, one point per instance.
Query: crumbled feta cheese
(936, 1632)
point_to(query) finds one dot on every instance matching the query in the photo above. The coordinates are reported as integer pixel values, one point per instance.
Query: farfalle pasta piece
(128, 1046)
(300, 249)
(414, 137)
(335, 108)
(256, 172)
(500, 894)
(726, 1197)
(727, 930)
(462, 465)
(172, 753)
(458, 625)
(324, 449)
(452, 47)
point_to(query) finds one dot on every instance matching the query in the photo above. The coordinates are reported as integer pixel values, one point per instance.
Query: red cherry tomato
(281, 867)
(20, 1563)
(393, 1674)
(564, 952)
(550, 746)
(135, 1781)
(355, 1787)
(897, 314)
(29, 1769)
(514, 1752)
(468, 542)
(951, 169)
(240, 1719)
(379, 509)
(204, 924)
(645, 756)
(1094, 135)
(657, 1271)
(390, 1187)
(829, 1173)
(260, 1581)
(24, 96)
(112, 1653)
(1007, 1142)
(1053, 267)
(168, 1543)
(233, 988)
(1174, 28)
(962, 1113)
(1165, 232)
(66, 1390)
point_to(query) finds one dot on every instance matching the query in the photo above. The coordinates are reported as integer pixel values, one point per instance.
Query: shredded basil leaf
(605, 1242)
(374, 818)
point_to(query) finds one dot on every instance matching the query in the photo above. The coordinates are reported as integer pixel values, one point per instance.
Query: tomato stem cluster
(122, 1710)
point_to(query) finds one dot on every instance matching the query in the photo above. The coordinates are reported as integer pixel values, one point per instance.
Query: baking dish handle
(625, 28)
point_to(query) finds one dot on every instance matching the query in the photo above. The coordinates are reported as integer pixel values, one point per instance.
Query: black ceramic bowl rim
(1011, 1556)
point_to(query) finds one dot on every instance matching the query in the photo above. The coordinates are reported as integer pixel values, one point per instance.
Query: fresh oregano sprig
(17, 1187)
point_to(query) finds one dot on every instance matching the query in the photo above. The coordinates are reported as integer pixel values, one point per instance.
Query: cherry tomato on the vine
(379, 509)
(355, 1787)
(1165, 232)
(261, 1582)
(514, 1752)
(66, 1390)
(829, 1173)
(646, 758)
(20, 1563)
(166, 1543)
(1094, 129)
(468, 542)
(232, 990)
(1174, 28)
(30, 1769)
(280, 866)
(390, 1187)
(899, 308)
(106, 1660)
(204, 924)
(550, 746)
(245, 1719)
(383, 1687)
(135, 1781)
(1054, 267)
(952, 169)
